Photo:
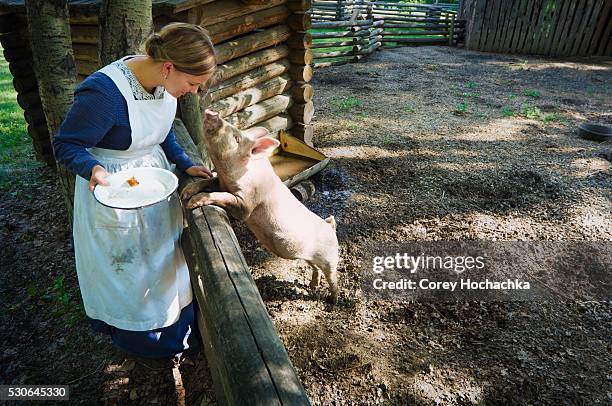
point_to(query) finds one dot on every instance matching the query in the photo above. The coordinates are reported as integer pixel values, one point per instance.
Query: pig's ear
(257, 132)
(262, 147)
(212, 121)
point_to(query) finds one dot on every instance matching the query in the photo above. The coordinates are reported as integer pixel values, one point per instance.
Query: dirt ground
(428, 143)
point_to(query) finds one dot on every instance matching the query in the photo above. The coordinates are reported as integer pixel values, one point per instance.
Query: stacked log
(417, 24)
(263, 56)
(17, 52)
(301, 109)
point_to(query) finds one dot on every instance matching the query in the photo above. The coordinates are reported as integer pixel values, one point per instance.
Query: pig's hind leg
(329, 270)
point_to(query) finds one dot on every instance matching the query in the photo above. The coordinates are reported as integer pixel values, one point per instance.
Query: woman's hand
(199, 171)
(98, 173)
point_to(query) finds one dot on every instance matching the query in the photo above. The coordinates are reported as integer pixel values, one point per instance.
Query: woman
(131, 269)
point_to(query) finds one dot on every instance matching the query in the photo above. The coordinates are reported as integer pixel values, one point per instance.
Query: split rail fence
(349, 30)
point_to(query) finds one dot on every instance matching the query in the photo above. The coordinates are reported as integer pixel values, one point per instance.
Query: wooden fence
(545, 27)
(347, 31)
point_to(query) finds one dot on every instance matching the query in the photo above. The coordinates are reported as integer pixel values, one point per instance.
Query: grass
(533, 113)
(344, 104)
(531, 93)
(461, 108)
(508, 112)
(16, 153)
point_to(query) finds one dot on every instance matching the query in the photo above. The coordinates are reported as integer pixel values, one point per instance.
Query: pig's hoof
(201, 199)
(195, 187)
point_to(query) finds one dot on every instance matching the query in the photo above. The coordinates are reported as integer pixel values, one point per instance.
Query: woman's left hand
(199, 171)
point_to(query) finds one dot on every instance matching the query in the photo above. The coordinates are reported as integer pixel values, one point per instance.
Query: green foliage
(345, 104)
(471, 85)
(532, 93)
(507, 112)
(531, 112)
(461, 108)
(548, 117)
(409, 108)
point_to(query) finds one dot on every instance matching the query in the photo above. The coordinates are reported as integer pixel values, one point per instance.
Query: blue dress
(99, 118)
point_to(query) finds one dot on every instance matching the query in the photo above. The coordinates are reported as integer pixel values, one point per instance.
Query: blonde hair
(187, 46)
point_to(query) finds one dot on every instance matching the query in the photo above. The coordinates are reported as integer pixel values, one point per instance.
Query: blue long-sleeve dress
(99, 118)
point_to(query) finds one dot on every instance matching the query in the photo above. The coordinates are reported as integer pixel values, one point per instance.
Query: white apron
(130, 266)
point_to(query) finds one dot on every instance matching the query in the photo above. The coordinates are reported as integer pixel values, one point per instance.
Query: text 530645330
(34, 392)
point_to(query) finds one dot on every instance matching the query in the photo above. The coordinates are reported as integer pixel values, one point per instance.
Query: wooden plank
(575, 28)
(486, 24)
(496, 27)
(602, 22)
(574, 46)
(511, 25)
(518, 18)
(567, 26)
(534, 26)
(316, 168)
(556, 37)
(542, 26)
(502, 25)
(604, 46)
(295, 146)
(525, 19)
(479, 25)
(583, 46)
(553, 23)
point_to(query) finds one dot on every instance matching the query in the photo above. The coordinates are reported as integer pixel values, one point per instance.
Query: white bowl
(154, 185)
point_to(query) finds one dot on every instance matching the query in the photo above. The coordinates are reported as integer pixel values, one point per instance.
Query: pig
(249, 189)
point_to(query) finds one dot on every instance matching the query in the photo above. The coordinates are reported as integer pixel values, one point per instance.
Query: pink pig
(251, 192)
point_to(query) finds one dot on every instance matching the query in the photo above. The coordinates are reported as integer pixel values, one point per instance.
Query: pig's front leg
(199, 186)
(236, 206)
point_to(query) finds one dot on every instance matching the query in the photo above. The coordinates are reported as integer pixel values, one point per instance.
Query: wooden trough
(262, 80)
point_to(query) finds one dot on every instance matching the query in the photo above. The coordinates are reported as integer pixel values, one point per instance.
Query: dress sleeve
(175, 153)
(89, 119)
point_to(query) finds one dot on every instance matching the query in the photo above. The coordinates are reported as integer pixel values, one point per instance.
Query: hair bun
(157, 39)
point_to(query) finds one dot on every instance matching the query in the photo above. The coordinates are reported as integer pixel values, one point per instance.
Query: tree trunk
(49, 29)
(124, 25)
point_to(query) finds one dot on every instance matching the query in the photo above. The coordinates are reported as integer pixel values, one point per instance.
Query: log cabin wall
(263, 52)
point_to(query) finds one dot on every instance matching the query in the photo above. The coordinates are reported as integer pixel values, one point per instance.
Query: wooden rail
(347, 31)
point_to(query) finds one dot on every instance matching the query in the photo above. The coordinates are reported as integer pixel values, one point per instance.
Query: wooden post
(49, 29)
(124, 25)
(191, 116)
(451, 31)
